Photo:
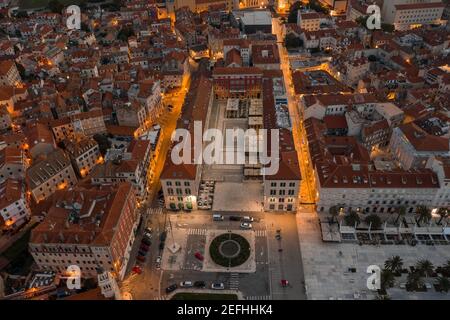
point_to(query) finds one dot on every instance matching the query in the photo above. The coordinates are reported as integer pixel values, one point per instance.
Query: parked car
(144, 247)
(217, 217)
(141, 258)
(246, 225)
(147, 235)
(186, 284)
(199, 284)
(247, 219)
(158, 260)
(199, 256)
(171, 288)
(217, 286)
(146, 242)
(137, 270)
(149, 230)
(142, 253)
(235, 218)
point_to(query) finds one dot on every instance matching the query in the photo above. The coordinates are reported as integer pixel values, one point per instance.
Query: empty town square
(338, 271)
(259, 278)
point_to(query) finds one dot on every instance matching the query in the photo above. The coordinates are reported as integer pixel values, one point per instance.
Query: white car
(246, 225)
(247, 219)
(186, 284)
(148, 234)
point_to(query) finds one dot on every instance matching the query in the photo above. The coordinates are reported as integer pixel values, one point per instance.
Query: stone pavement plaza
(326, 264)
(238, 196)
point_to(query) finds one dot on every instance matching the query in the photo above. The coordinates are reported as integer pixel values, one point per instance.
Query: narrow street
(307, 193)
(168, 123)
(150, 278)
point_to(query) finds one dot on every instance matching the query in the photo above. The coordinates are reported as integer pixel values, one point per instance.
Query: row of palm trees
(423, 268)
(423, 214)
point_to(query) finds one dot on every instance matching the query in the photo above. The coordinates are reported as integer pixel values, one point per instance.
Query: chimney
(61, 236)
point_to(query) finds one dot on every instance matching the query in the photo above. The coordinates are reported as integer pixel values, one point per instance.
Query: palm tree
(334, 212)
(414, 280)
(352, 219)
(443, 212)
(443, 283)
(425, 267)
(375, 220)
(394, 264)
(387, 279)
(401, 211)
(424, 213)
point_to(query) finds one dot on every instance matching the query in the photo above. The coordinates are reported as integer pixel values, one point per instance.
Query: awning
(180, 206)
(189, 205)
(173, 206)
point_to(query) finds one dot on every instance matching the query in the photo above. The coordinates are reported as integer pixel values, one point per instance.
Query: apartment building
(53, 173)
(131, 165)
(62, 129)
(131, 114)
(40, 140)
(346, 177)
(266, 56)
(88, 123)
(243, 45)
(89, 227)
(375, 134)
(84, 155)
(412, 146)
(237, 82)
(354, 70)
(9, 75)
(407, 14)
(336, 104)
(14, 207)
(12, 163)
(148, 94)
(175, 67)
(309, 21)
(5, 118)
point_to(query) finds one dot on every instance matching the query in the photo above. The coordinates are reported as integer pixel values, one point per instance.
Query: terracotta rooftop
(83, 216)
(422, 141)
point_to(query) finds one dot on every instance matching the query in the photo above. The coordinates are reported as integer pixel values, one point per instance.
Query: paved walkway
(326, 265)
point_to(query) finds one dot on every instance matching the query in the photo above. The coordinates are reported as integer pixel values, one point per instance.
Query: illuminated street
(308, 187)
